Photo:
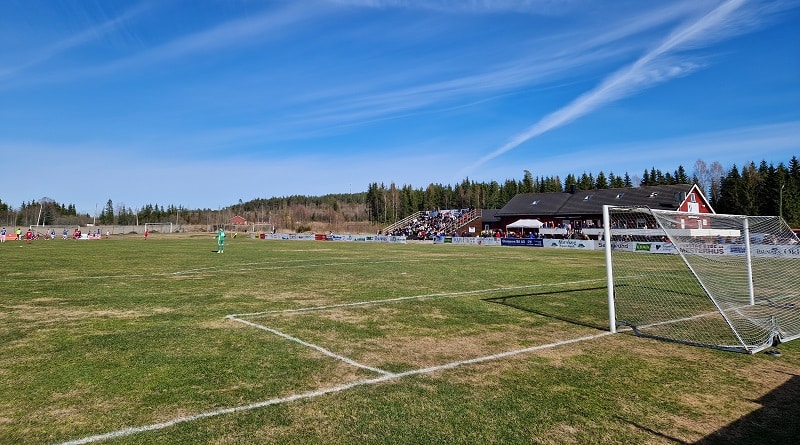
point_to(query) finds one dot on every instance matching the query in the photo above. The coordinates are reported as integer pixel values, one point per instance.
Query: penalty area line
(313, 394)
(310, 345)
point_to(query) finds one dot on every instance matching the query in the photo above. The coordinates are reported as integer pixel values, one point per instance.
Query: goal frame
(147, 226)
(678, 234)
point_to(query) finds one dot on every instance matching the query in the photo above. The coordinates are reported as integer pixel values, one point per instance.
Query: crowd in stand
(429, 225)
(436, 223)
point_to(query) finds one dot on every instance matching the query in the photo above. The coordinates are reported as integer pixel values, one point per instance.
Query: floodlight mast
(612, 318)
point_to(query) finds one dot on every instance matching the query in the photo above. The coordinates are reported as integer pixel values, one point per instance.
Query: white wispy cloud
(544, 7)
(539, 65)
(227, 34)
(68, 43)
(237, 32)
(774, 142)
(658, 65)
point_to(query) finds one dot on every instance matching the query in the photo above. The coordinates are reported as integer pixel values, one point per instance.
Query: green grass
(100, 336)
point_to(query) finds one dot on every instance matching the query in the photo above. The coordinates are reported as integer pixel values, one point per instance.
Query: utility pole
(780, 205)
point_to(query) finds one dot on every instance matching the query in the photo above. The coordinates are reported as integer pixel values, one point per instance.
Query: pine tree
(493, 196)
(107, 215)
(617, 181)
(657, 178)
(768, 191)
(729, 200)
(509, 190)
(527, 185)
(586, 181)
(791, 194)
(645, 178)
(570, 182)
(601, 182)
(628, 182)
(431, 199)
(681, 177)
(749, 186)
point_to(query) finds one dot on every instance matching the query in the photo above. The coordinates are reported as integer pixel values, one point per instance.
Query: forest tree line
(752, 189)
(763, 189)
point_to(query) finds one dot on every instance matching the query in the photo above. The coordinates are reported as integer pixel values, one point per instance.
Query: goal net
(724, 281)
(158, 227)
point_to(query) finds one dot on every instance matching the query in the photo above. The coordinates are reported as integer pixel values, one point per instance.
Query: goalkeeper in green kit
(220, 240)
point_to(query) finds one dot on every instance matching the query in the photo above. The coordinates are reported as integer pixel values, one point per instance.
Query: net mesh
(158, 227)
(723, 281)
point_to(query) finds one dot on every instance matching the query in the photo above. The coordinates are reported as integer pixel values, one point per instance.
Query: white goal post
(730, 282)
(158, 227)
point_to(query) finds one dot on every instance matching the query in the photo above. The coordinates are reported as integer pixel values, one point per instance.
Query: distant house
(238, 221)
(583, 209)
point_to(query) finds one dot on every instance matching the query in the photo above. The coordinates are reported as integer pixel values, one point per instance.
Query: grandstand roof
(590, 202)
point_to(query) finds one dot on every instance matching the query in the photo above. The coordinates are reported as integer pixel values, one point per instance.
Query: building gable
(238, 221)
(695, 202)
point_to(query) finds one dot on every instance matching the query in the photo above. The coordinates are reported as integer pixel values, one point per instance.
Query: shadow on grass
(651, 431)
(774, 423)
(518, 301)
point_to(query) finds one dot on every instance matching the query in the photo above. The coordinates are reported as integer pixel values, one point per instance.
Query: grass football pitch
(127, 341)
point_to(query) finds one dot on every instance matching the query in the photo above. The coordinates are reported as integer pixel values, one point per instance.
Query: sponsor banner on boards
(334, 237)
(581, 244)
(530, 242)
(550, 242)
(462, 240)
(712, 249)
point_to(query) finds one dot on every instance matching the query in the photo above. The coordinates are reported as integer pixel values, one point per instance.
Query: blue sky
(201, 103)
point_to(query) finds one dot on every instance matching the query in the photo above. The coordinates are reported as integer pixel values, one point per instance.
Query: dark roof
(590, 202)
(490, 215)
(534, 204)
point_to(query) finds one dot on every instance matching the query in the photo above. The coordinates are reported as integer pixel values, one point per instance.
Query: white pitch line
(240, 268)
(312, 394)
(386, 376)
(415, 297)
(310, 345)
(337, 263)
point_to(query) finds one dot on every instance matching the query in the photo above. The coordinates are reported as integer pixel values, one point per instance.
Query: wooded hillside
(753, 189)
